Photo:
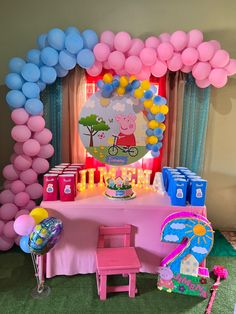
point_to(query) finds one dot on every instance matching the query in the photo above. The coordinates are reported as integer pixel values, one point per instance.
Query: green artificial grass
(78, 294)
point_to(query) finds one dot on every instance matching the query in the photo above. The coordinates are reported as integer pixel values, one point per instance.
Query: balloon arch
(60, 51)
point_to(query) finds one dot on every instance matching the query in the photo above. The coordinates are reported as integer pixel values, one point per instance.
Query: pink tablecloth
(75, 252)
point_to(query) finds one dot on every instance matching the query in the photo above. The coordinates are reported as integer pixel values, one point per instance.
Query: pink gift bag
(66, 187)
(50, 187)
(68, 171)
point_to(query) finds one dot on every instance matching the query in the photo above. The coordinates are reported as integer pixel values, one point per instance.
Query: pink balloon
(116, 60)
(186, 69)
(6, 243)
(21, 199)
(159, 68)
(13, 157)
(148, 56)
(144, 74)
(30, 205)
(8, 230)
(2, 224)
(6, 196)
(220, 59)
(20, 133)
(24, 224)
(122, 41)
(106, 65)
(215, 44)
(43, 137)
(195, 37)
(17, 187)
(101, 52)
(231, 67)
(175, 63)
(8, 211)
(19, 116)
(152, 42)
(36, 123)
(18, 148)
(201, 70)
(46, 151)
(203, 83)
(133, 65)
(22, 162)
(10, 173)
(164, 37)
(179, 40)
(189, 56)
(206, 51)
(218, 77)
(136, 46)
(35, 190)
(7, 184)
(95, 69)
(165, 51)
(28, 176)
(31, 147)
(40, 165)
(121, 72)
(22, 212)
(107, 37)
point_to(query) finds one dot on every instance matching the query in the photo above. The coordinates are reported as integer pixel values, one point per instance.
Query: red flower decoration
(220, 271)
(203, 281)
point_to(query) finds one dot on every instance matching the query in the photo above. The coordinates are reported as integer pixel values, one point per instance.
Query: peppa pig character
(127, 126)
(165, 279)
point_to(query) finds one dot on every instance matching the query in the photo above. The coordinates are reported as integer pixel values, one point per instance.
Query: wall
(22, 21)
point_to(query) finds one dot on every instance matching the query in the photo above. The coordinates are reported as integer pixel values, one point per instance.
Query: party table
(75, 252)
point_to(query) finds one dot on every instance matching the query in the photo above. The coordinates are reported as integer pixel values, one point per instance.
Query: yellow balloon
(132, 78)
(164, 109)
(152, 139)
(124, 81)
(39, 214)
(107, 78)
(153, 124)
(154, 109)
(162, 126)
(145, 84)
(120, 90)
(148, 103)
(138, 93)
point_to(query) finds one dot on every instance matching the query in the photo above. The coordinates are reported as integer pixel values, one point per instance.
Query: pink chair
(116, 261)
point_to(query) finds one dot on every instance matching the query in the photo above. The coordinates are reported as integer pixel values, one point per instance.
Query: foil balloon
(45, 235)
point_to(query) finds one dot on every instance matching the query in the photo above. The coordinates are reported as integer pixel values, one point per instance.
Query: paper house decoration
(189, 265)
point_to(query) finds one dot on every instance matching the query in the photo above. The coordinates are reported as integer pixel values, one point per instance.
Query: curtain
(52, 99)
(74, 97)
(194, 125)
(172, 136)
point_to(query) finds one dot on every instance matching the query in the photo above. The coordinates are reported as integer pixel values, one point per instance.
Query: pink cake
(119, 189)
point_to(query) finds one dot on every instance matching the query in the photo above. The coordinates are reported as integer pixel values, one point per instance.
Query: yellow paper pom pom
(154, 109)
(138, 93)
(153, 124)
(124, 81)
(120, 90)
(162, 126)
(145, 84)
(107, 78)
(148, 103)
(164, 109)
(152, 139)
(132, 78)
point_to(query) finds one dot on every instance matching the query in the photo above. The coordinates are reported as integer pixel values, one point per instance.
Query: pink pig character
(165, 279)
(127, 124)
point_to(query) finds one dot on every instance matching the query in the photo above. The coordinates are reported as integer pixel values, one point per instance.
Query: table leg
(103, 287)
(132, 285)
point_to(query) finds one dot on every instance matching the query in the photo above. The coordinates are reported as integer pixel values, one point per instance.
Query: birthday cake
(119, 188)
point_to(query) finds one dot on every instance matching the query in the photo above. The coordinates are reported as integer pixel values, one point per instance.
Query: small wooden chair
(116, 261)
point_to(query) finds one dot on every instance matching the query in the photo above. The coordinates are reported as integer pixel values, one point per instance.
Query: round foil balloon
(45, 235)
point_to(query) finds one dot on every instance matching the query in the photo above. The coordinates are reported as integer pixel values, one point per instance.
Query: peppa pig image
(127, 128)
(165, 279)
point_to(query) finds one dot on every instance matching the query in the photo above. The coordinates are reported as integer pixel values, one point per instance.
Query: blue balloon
(56, 38)
(159, 144)
(158, 132)
(71, 30)
(33, 56)
(24, 244)
(90, 38)
(49, 56)
(42, 41)
(150, 116)
(149, 146)
(34, 106)
(128, 88)
(160, 117)
(108, 88)
(157, 100)
(100, 84)
(155, 148)
(14, 81)
(135, 84)
(149, 132)
(31, 90)
(153, 89)
(106, 94)
(163, 101)
(155, 154)
(16, 64)
(60, 71)
(148, 94)
(48, 75)
(74, 43)
(30, 72)
(85, 58)
(15, 99)
(41, 85)
(67, 60)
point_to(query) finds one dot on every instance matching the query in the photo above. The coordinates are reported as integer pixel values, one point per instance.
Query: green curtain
(52, 100)
(194, 125)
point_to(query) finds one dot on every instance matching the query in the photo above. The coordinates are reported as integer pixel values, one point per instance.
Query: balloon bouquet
(39, 233)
